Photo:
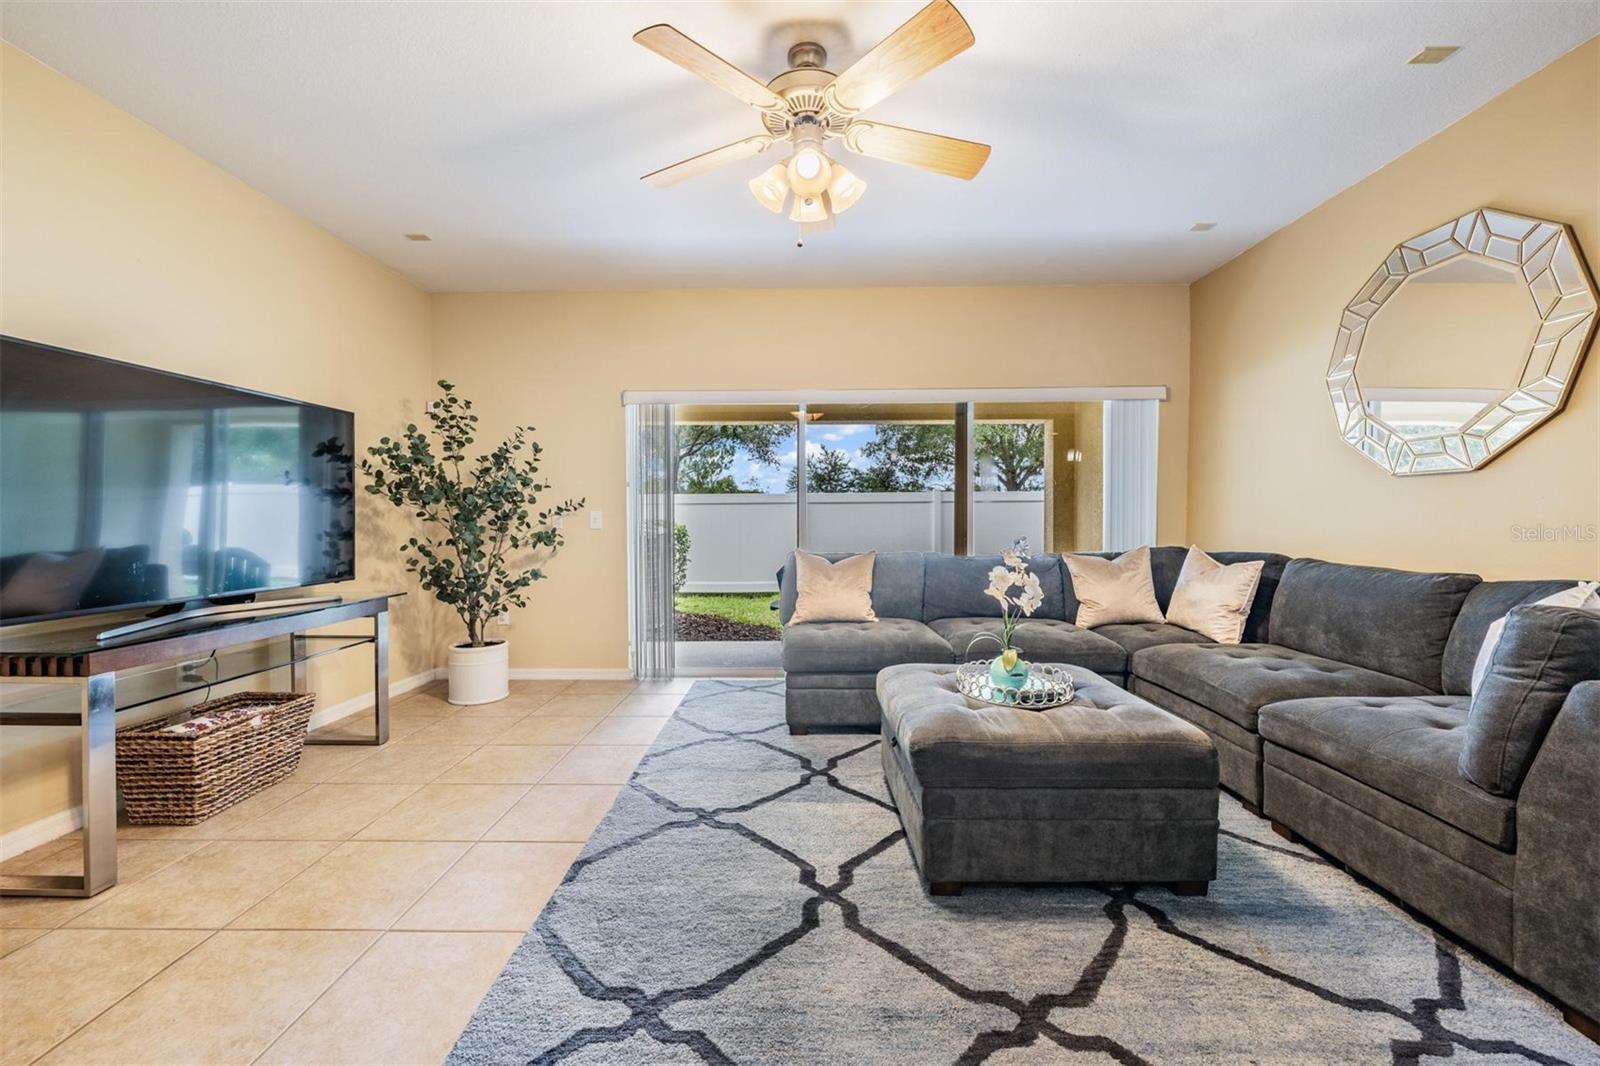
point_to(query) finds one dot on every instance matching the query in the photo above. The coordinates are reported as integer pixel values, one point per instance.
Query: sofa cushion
(1405, 747)
(1137, 635)
(1393, 621)
(953, 587)
(896, 585)
(1487, 603)
(1236, 681)
(860, 647)
(1545, 653)
(1042, 640)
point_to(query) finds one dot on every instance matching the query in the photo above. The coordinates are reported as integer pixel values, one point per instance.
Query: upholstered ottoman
(1107, 788)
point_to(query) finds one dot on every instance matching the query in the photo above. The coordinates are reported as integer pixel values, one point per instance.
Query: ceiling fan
(807, 105)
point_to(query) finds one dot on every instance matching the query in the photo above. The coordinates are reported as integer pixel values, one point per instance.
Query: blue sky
(842, 437)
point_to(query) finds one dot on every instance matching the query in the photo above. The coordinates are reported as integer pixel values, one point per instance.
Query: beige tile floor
(354, 913)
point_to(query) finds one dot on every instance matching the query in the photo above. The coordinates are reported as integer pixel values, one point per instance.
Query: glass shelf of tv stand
(164, 681)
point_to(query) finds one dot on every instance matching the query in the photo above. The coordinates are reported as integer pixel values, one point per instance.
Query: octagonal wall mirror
(1464, 340)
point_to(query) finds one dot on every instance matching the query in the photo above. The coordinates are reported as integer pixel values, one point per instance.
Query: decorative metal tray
(1047, 686)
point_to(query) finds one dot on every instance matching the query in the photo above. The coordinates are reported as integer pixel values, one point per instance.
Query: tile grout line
(100, 1014)
(387, 930)
(207, 843)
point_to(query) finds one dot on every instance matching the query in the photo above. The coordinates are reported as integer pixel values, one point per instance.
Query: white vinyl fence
(738, 541)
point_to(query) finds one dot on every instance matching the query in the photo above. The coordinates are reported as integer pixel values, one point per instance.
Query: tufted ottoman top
(1105, 738)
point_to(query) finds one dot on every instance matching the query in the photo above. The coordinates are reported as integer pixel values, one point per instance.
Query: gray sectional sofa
(1342, 716)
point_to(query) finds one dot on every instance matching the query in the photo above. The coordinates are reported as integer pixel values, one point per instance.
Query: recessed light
(1434, 53)
(1201, 227)
(416, 237)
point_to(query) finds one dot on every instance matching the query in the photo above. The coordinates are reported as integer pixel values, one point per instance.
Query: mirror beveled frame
(1547, 258)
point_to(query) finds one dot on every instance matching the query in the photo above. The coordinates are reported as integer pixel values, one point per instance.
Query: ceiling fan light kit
(808, 105)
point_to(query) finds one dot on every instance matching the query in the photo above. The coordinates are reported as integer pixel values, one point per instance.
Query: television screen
(122, 486)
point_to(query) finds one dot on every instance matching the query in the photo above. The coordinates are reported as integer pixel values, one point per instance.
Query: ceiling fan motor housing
(801, 88)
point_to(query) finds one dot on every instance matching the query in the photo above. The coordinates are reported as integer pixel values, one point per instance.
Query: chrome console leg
(380, 676)
(99, 783)
(297, 666)
(97, 709)
(380, 689)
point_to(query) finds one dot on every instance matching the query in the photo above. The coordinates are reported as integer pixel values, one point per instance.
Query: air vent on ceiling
(1434, 53)
(417, 237)
(1201, 227)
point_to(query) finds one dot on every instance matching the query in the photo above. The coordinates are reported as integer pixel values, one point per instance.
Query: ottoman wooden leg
(1285, 832)
(1190, 888)
(944, 888)
(797, 731)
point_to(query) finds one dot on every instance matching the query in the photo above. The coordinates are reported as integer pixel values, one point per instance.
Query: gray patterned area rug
(751, 899)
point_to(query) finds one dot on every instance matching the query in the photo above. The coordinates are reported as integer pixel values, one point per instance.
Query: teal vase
(1013, 678)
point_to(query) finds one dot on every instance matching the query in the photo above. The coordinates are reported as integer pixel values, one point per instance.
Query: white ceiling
(514, 134)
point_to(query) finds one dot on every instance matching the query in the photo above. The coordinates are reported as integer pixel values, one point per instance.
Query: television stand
(162, 620)
(114, 675)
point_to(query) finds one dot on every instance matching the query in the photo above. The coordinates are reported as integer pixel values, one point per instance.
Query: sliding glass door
(724, 490)
(881, 477)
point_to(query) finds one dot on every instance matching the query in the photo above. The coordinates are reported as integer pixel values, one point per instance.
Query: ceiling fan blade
(929, 151)
(933, 35)
(699, 164)
(668, 43)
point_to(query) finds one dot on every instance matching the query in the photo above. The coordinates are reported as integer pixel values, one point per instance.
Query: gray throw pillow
(1544, 653)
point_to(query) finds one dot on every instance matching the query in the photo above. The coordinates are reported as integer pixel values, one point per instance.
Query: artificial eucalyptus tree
(481, 529)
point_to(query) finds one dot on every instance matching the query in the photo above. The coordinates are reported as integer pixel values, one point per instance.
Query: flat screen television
(125, 487)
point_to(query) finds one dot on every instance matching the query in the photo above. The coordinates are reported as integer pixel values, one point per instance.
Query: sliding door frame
(796, 398)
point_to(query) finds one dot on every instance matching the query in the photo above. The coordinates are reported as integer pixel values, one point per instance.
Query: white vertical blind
(1130, 448)
(650, 485)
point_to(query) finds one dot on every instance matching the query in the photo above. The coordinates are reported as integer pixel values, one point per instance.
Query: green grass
(749, 607)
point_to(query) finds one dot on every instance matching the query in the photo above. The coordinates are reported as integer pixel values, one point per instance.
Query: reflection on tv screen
(122, 486)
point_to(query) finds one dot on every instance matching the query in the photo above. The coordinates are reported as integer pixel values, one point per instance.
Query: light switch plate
(594, 520)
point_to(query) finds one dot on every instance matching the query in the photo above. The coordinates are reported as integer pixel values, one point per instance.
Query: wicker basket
(171, 778)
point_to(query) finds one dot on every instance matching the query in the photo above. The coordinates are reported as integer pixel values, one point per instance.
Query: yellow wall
(117, 241)
(1268, 469)
(559, 361)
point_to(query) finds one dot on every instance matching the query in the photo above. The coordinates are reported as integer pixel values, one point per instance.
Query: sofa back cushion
(1166, 563)
(1488, 602)
(953, 587)
(1544, 654)
(1396, 622)
(896, 585)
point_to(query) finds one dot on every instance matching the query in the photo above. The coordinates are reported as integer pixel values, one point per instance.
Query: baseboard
(50, 827)
(27, 837)
(355, 704)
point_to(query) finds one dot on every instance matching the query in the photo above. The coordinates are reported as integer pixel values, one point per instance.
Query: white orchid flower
(1001, 579)
(1032, 594)
(1012, 559)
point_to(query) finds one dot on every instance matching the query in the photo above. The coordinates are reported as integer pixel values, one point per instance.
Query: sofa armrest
(1556, 910)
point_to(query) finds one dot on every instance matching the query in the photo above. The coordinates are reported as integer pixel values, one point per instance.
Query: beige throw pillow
(1113, 591)
(1213, 599)
(833, 592)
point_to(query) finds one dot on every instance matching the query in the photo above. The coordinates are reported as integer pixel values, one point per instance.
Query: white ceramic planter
(479, 675)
